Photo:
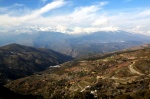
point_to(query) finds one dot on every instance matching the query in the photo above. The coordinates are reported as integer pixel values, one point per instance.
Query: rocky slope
(124, 74)
(18, 61)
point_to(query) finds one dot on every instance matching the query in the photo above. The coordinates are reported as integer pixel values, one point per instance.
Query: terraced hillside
(124, 74)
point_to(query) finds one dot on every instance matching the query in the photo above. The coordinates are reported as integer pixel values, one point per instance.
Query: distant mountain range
(77, 45)
(18, 61)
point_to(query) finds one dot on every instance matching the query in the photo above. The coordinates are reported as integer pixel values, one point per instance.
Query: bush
(124, 97)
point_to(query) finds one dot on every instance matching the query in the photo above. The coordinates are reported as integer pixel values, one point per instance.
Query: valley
(17, 61)
(124, 74)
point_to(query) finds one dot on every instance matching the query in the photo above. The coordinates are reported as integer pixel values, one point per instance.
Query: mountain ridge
(78, 45)
(18, 61)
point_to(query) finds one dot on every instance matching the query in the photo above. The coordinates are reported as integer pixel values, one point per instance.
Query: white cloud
(7, 21)
(48, 7)
(84, 19)
(15, 21)
(136, 22)
(12, 9)
(145, 13)
(79, 30)
(80, 17)
(101, 21)
(136, 29)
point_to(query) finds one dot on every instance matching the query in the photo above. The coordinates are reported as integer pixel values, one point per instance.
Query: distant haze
(76, 45)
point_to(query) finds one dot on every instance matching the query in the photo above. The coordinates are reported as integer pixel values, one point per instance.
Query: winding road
(132, 70)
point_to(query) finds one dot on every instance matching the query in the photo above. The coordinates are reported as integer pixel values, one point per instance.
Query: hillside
(5, 93)
(18, 61)
(119, 75)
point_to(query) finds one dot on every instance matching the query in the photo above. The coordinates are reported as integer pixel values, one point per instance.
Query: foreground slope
(5, 93)
(18, 61)
(124, 74)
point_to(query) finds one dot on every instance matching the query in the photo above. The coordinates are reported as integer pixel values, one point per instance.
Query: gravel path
(132, 70)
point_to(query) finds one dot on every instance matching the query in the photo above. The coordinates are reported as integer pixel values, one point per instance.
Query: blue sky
(76, 16)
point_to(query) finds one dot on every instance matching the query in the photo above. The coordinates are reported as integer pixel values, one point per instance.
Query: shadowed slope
(18, 61)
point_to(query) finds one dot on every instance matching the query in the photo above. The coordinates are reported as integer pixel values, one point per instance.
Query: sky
(75, 16)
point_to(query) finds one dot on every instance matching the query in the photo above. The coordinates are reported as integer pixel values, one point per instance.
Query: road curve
(132, 70)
